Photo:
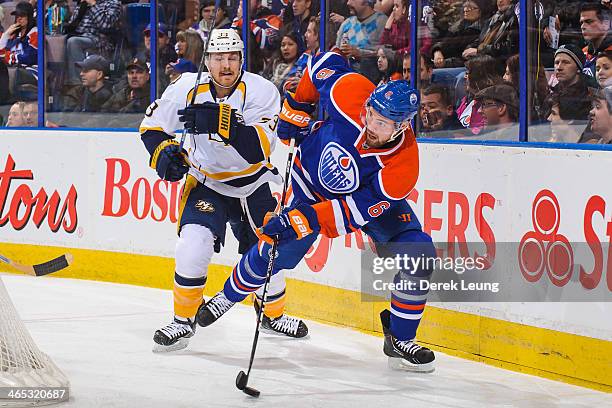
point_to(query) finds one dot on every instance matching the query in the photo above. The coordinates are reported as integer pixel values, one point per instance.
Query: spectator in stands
(499, 37)
(601, 115)
(572, 94)
(396, 32)
(278, 7)
(221, 20)
(165, 49)
(19, 44)
(15, 115)
(463, 34)
(94, 91)
(512, 70)
(568, 117)
(338, 12)
(265, 25)
(165, 52)
(283, 66)
(426, 69)
(595, 31)
(481, 71)
(182, 65)
(312, 47)
(537, 81)
(359, 36)
(30, 114)
(499, 106)
(388, 65)
(20, 40)
(437, 113)
(189, 46)
(298, 14)
(569, 62)
(135, 96)
(91, 27)
(603, 69)
(383, 6)
(185, 12)
(447, 13)
(311, 38)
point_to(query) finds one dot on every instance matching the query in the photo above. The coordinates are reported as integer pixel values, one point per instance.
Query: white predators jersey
(217, 165)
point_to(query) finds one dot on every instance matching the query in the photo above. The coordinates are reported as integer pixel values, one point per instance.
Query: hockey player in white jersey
(233, 132)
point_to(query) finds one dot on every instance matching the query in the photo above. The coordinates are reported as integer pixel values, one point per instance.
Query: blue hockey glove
(170, 161)
(294, 119)
(212, 118)
(291, 224)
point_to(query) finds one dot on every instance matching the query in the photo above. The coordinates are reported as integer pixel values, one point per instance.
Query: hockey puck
(251, 392)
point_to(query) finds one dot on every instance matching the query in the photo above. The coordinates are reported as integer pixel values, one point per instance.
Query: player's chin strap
(400, 130)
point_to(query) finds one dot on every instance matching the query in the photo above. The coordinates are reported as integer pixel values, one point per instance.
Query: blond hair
(195, 45)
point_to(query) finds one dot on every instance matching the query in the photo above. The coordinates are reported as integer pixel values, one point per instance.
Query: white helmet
(225, 40)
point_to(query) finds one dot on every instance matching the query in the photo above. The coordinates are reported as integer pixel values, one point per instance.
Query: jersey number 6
(378, 208)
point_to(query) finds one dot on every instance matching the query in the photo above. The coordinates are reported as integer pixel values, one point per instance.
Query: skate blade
(400, 364)
(275, 333)
(179, 345)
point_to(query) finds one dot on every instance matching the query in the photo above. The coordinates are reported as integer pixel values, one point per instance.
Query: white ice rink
(100, 335)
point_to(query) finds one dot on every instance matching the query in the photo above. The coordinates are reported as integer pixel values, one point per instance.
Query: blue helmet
(395, 100)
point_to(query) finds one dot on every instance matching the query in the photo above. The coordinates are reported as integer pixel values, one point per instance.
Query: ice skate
(283, 325)
(405, 355)
(174, 336)
(209, 312)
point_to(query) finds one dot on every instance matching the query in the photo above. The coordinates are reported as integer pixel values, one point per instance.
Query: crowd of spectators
(467, 51)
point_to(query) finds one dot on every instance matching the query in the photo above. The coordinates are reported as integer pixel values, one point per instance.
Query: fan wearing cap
(94, 91)
(20, 40)
(569, 103)
(135, 96)
(165, 51)
(175, 69)
(499, 107)
(90, 27)
(232, 127)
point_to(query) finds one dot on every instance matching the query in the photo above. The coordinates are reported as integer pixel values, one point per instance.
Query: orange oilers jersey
(348, 183)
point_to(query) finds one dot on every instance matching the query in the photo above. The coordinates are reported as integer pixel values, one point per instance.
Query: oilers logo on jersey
(338, 172)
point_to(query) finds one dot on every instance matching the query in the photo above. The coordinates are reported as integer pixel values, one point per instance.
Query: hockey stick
(243, 378)
(201, 68)
(44, 268)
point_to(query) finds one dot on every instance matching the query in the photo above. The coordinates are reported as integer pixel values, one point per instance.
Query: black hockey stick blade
(53, 265)
(44, 268)
(241, 380)
(241, 384)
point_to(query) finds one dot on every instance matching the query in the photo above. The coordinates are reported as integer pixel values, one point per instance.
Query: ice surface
(100, 335)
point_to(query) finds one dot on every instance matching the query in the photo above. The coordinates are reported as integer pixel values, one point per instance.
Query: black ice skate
(209, 312)
(283, 325)
(405, 355)
(174, 336)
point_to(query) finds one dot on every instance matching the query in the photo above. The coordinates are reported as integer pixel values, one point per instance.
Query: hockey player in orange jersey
(352, 171)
